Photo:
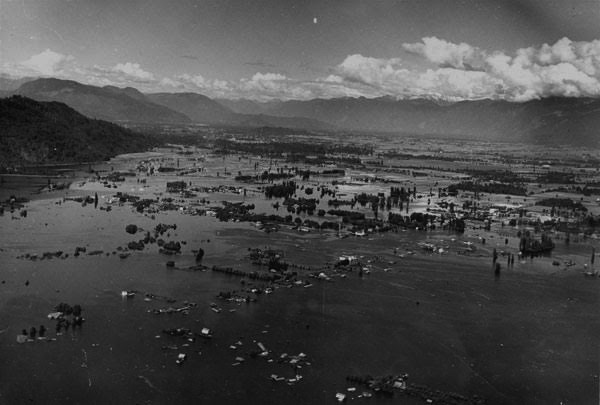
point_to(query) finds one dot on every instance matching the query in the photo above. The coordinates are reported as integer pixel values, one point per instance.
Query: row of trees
(491, 188)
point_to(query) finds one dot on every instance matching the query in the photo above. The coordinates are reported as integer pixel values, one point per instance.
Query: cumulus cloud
(50, 63)
(168, 82)
(565, 68)
(121, 74)
(46, 63)
(196, 83)
(447, 54)
(270, 85)
(133, 71)
(261, 86)
(369, 70)
(452, 84)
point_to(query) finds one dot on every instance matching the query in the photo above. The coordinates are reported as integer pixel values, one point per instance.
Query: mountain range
(128, 105)
(555, 120)
(106, 103)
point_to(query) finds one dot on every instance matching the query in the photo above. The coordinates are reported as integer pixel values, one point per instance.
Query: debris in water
(180, 358)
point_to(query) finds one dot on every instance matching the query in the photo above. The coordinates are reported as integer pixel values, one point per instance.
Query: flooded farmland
(300, 202)
(285, 310)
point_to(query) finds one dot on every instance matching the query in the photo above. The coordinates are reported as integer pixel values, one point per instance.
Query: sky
(516, 50)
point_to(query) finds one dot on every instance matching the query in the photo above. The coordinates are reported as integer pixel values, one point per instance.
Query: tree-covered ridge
(33, 132)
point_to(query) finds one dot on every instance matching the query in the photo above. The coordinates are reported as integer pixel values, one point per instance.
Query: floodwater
(528, 336)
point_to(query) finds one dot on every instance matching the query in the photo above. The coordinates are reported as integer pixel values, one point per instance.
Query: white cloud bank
(47, 63)
(457, 72)
(133, 71)
(444, 53)
(54, 64)
(565, 68)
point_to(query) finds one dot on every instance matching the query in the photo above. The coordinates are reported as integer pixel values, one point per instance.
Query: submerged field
(440, 315)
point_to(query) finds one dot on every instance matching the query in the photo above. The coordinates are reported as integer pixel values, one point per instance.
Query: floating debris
(398, 383)
(171, 310)
(263, 349)
(181, 357)
(206, 333)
